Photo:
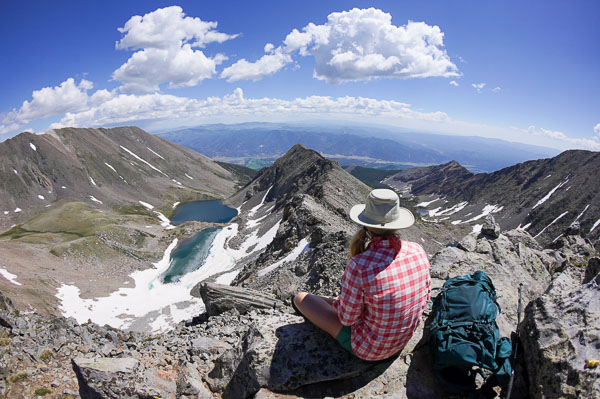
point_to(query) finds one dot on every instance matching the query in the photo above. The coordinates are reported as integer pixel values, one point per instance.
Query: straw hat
(382, 211)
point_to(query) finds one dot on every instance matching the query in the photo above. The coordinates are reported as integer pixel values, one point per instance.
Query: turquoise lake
(191, 253)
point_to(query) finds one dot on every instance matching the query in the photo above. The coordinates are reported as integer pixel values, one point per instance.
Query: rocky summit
(291, 234)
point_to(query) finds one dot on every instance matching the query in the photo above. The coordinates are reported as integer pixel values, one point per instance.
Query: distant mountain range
(543, 197)
(260, 144)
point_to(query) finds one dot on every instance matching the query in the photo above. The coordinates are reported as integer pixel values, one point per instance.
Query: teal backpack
(464, 338)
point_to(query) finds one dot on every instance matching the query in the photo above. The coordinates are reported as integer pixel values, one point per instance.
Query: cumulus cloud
(47, 102)
(166, 40)
(597, 129)
(355, 45)
(267, 65)
(126, 108)
(454, 83)
(478, 86)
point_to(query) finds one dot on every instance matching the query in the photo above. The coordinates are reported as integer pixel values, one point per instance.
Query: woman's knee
(299, 298)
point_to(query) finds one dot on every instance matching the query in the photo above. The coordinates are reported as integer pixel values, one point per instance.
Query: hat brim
(405, 219)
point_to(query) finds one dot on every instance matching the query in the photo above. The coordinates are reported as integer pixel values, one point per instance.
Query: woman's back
(384, 292)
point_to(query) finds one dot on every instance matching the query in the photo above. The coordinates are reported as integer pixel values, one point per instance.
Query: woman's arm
(350, 302)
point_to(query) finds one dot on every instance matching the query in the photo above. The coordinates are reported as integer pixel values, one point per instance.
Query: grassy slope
(371, 176)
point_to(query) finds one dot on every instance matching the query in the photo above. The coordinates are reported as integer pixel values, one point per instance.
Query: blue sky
(520, 71)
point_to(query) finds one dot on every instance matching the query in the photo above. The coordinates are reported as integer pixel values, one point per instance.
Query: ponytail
(358, 243)
(361, 239)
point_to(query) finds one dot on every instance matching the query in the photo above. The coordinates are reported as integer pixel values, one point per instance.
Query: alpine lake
(191, 253)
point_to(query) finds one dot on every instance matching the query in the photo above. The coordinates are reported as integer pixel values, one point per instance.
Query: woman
(385, 286)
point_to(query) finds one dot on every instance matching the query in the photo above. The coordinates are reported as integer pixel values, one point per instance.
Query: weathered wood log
(219, 298)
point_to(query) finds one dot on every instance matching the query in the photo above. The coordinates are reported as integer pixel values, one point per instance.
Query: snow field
(9, 276)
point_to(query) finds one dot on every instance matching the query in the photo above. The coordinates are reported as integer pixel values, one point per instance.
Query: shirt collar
(387, 241)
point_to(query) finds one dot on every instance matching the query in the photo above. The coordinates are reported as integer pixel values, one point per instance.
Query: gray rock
(574, 229)
(213, 346)
(219, 298)
(560, 332)
(468, 243)
(592, 270)
(280, 353)
(490, 227)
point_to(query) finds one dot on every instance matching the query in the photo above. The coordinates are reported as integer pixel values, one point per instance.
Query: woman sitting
(385, 286)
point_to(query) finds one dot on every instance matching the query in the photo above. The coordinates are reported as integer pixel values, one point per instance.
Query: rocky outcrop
(248, 351)
(219, 298)
(560, 332)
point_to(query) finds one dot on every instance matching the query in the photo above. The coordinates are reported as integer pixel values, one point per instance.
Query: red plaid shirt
(384, 292)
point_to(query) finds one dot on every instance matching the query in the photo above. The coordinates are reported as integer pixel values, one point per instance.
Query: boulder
(490, 227)
(219, 298)
(560, 331)
(120, 378)
(281, 353)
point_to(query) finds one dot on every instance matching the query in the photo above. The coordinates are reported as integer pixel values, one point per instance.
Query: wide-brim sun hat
(382, 211)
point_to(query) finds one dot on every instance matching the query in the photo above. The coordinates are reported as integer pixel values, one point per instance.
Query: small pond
(191, 253)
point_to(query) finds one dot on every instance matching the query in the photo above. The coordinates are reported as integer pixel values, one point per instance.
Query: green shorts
(345, 338)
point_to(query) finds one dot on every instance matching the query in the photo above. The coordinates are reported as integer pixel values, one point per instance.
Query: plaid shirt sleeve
(350, 302)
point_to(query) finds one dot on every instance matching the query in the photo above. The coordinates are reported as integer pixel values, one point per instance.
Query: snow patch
(92, 180)
(540, 202)
(17, 210)
(149, 298)
(449, 211)
(6, 212)
(528, 225)
(595, 225)
(477, 228)
(155, 153)
(175, 204)
(9, 276)
(63, 187)
(15, 171)
(41, 197)
(551, 223)
(189, 177)
(487, 210)
(146, 205)
(426, 204)
(144, 161)
(302, 247)
(227, 278)
(33, 147)
(253, 211)
(110, 166)
(582, 212)
(164, 221)
(95, 199)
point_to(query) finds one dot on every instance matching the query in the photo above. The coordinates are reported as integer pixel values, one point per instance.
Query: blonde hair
(360, 240)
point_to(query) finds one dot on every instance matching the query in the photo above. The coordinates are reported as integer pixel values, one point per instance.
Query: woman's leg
(320, 311)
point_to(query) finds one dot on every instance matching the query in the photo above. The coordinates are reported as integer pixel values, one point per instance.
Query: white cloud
(126, 108)
(560, 136)
(497, 89)
(50, 101)
(478, 86)
(267, 65)
(166, 39)
(47, 102)
(360, 44)
(454, 83)
(597, 129)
